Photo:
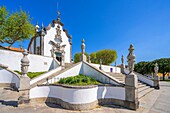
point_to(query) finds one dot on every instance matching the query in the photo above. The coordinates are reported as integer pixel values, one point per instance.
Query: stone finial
(42, 33)
(131, 58)
(37, 27)
(24, 63)
(83, 57)
(89, 59)
(156, 77)
(122, 59)
(100, 67)
(83, 46)
(58, 18)
(156, 68)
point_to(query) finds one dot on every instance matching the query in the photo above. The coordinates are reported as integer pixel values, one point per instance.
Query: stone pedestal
(24, 90)
(156, 82)
(122, 68)
(131, 91)
(83, 58)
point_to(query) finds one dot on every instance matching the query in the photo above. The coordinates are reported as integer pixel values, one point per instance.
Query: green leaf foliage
(77, 57)
(80, 80)
(148, 67)
(107, 56)
(15, 26)
(31, 74)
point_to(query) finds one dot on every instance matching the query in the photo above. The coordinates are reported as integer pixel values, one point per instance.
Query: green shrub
(31, 74)
(78, 80)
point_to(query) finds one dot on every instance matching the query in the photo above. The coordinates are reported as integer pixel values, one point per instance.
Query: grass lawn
(79, 80)
(31, 74)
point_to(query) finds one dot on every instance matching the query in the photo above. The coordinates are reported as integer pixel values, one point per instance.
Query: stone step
(141, 85)
(142, 88)
(144, 92)
(52, 75)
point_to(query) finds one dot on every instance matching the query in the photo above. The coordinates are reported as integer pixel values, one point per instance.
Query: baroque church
(52, 41)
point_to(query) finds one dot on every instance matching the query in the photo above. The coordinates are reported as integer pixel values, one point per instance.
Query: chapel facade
(53, 41)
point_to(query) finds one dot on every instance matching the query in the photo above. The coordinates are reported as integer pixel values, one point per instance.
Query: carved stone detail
(131, 58)
(83, 57)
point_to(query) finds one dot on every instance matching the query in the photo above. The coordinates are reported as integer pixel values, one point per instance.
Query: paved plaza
(158, 101)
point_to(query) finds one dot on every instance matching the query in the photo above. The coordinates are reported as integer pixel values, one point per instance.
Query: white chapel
(53, 41)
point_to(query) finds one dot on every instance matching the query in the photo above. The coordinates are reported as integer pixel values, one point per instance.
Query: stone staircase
(118, 76)
(67, 67)
(143, 89)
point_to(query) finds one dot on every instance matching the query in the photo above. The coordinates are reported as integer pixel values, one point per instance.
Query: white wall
(89, 71)
(50, 36)
(37, 63)
(49, 73)
(107, 68)
(7, 76)
(78, 96)
(74, 71)
(142, 78)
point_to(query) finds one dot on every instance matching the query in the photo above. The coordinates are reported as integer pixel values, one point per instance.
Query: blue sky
(107, 24)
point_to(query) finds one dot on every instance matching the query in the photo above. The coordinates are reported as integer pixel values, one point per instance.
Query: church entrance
(58, 56)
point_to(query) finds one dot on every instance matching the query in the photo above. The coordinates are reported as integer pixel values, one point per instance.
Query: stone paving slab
(157, 101)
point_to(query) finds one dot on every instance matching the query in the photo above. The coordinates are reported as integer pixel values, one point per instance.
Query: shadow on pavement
(53, 105)
(9, 103)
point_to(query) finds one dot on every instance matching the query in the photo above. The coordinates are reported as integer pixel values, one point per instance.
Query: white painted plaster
(37, 63)
(142, 78)
(50, 36)
(107, 68)
(78, 96)
(74, 71)
(8, 77)
(49, 73)
(89, 71)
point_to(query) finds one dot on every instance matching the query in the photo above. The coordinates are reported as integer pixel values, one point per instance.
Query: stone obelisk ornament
(156, 77)
(131, 81)
(24, 80)
(131, 59)
(83, 57)
(100, 67)
(122, 65)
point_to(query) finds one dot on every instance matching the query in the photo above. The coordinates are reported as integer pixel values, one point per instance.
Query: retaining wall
(37, 63)
(78, 98)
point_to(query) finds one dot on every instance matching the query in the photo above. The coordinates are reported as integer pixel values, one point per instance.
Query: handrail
(6, 68)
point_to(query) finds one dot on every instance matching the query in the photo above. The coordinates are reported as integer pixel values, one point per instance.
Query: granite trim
(78, 87)
(87, 106)
(11, 85)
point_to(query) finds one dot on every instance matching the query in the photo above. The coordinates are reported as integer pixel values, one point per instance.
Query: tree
(148, 67)
(107, 56)
(143, 67)
(15, 27)
(164, 66)
(77, 57)
(93, 58)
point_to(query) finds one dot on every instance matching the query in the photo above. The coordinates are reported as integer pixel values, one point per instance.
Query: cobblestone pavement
(158, 101)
